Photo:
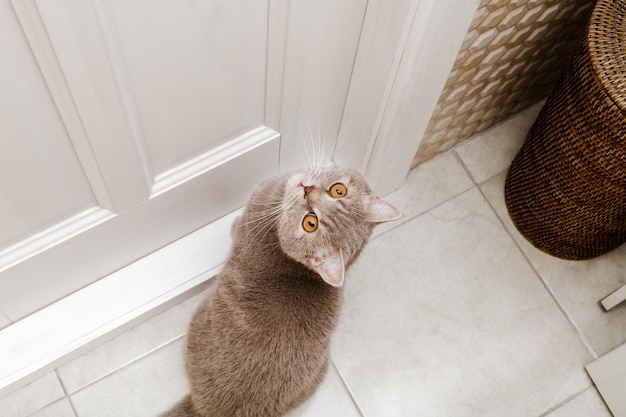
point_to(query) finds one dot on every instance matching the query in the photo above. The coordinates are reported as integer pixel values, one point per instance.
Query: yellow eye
(338, 190)
(309, 223)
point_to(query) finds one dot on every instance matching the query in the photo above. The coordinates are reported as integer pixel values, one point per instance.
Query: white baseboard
(64, 330)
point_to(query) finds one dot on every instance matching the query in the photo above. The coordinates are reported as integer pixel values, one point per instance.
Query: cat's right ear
(380, 211)
(331, 268)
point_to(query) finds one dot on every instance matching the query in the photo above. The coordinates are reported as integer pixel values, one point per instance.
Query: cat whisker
(329, 149)
(270, 204)
(260, 221)
(266, 221)
(312, 141)
(322, 151)
(263, 200)
(257, 230)
(266, 214)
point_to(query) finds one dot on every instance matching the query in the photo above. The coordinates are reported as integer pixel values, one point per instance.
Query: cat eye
(309, 223)
(338, 190)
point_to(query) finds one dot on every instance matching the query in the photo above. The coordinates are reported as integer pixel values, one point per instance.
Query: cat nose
(307, 190)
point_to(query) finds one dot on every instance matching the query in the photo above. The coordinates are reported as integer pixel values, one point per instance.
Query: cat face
(328, 216)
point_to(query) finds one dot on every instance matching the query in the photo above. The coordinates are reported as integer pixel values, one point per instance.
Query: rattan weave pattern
(566, 188)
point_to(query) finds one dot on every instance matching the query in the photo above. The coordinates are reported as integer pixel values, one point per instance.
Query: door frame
(392, 98)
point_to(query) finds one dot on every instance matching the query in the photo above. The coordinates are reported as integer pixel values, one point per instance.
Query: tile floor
(449, 312)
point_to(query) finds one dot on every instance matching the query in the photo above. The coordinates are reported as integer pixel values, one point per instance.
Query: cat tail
(182, 409)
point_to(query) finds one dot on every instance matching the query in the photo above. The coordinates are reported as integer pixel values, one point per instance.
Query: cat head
(328, 217)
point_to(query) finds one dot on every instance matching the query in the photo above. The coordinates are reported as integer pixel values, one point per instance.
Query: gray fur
(258, 346)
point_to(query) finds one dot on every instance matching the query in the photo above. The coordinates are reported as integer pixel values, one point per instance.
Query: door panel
(155, 127)
(67, 42)
(193, 71)
(34, 148)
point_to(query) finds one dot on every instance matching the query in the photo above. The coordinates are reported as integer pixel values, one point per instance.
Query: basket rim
(611, 73)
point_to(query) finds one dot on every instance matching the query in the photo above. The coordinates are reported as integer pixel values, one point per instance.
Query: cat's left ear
(380, 211)
(331, 268)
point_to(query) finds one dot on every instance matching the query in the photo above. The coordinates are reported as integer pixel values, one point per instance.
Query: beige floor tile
(129, 346)
(61, 408)
(490, 152)
(428, 185)
(444, 317)
(587, 404)
(155, 383)
(32, 397)
(331, 400)
(145, 388)
(578, 285)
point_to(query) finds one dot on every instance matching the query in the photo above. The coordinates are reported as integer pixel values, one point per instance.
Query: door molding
(29, 18)
(394, 95)
(88, 73)
(212, 159)
(52, 236)
(44, 340)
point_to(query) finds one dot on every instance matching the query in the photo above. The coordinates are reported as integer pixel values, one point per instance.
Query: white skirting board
(615, 298)
(609, 375)
(62, 331)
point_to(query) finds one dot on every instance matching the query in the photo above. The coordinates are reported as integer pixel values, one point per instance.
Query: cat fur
(258, 346)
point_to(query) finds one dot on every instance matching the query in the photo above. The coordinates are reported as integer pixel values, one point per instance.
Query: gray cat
(258, 346)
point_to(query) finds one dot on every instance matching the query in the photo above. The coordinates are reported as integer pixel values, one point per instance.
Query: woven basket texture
(566, 188)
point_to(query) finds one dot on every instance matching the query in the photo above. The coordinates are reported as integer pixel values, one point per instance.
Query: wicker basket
(566, 189)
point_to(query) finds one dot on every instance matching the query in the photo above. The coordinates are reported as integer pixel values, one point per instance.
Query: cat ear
(331, 268)
(379, 211)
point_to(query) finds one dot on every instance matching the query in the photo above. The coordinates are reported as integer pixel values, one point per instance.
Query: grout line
(129, 363)
(71, 401)
(569, 318)
(51, 404)
(415, 216)
(462, 163)
(345, 384)
(58, 400)
(60, 380)
(565, 401)
(66, 392)
(402, 221)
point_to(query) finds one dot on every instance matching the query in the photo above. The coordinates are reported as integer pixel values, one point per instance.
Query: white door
(129, 124)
